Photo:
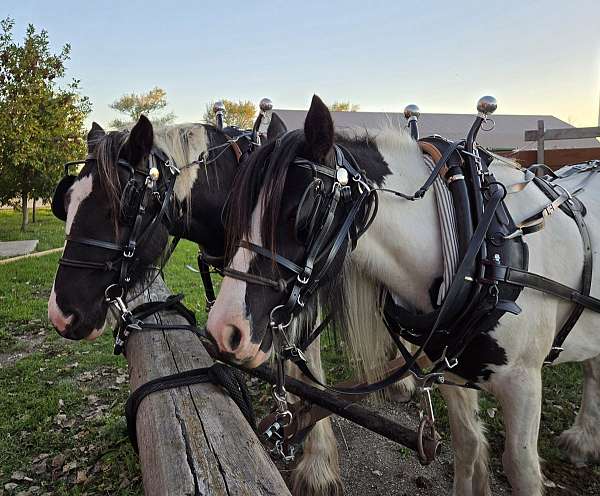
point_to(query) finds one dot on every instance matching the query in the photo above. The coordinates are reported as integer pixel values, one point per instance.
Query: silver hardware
(497, 258)
(452, 363)
(455, 177)
(469, 279)
(563, 189)
(514, 234)
(412, 111)
(279, 451)
(219, 107)
(266, 104)
(154, 174)
(490, 124)
(303, 280)
(341, 175)
(427, 404)
(174, 170)
(487, 105)
(272, 322)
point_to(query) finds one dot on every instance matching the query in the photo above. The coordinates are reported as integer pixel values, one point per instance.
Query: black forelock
(266, 168)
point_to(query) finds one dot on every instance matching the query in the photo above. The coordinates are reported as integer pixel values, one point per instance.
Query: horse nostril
(235, 338)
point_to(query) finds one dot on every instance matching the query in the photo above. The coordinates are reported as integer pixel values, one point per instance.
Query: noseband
(135, 200)
(324, 238)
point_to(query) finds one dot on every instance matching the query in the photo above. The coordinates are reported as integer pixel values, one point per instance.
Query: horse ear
(318, 129)
(141, 139)
(276, 127)
(95, 135)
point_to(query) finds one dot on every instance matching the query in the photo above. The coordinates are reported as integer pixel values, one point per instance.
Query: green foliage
(240, 114)
(149, 104)
(41, 123)
(344, 107)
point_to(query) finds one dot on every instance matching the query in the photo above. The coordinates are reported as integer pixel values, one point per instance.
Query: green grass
(47, 229)
(47, 381)
(33, 386)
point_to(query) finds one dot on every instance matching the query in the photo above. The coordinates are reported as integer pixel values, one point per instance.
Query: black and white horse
(92, 206)
(402, 252)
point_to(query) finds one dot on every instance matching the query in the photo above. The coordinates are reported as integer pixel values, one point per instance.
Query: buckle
(451, 363)
(554, 353)
(293, 353)
(129, 250)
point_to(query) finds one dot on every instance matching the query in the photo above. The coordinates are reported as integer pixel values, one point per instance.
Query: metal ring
(491, 128)
(110, 288)
(426, 458)
(563, 189)
(272, 320)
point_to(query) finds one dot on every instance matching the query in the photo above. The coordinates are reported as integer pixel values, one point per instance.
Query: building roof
(508, 133)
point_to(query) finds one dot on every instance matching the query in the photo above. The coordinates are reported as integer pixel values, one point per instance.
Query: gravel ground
(373, 465)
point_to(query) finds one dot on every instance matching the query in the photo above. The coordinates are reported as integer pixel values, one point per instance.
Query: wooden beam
(566, 133)
(540, 142)
(192, 440)
(35, 254)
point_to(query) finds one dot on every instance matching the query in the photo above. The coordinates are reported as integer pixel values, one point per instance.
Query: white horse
(402, 252)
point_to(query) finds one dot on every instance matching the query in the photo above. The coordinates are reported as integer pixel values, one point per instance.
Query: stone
(16, 248)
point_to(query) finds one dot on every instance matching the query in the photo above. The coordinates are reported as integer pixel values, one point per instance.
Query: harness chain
(491, 272)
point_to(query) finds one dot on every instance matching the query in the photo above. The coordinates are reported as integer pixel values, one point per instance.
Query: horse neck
(210, 189)
(402, 248)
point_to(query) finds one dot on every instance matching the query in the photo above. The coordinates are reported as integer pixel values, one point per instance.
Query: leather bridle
(351, 195)
(347, 211)
(160, 169)
(126, 262)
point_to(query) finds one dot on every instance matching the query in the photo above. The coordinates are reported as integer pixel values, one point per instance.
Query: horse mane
(266, 171)
(107, 153)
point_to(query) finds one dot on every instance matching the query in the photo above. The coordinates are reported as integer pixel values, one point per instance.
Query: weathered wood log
(192, 440)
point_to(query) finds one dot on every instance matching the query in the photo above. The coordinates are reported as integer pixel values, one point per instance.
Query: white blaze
(80, 190)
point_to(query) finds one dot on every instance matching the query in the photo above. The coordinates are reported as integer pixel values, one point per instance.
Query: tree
(344, 107)
(41, 123)
(149, 104)
(240, 114)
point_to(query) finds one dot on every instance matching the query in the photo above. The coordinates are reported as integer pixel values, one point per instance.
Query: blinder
(131, 197)
(308, 212)
(59, 209)
(57, 205)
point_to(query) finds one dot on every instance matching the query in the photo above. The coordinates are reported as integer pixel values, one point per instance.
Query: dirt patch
(373, 465)
(23, 346)
(568, 480)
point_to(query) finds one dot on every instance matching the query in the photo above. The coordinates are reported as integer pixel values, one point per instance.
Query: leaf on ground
(58, 461)
(60, 419)
(69, 466)
(40, 468)
(81, 477)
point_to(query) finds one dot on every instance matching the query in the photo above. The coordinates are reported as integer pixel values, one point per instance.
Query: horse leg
(469, 442)
(318, 472)
(582, 441)
(519, 391)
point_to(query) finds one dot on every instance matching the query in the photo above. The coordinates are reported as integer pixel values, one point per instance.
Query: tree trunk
(24, 211)
(33, 212)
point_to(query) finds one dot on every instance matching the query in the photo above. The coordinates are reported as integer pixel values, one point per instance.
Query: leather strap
(540, 283)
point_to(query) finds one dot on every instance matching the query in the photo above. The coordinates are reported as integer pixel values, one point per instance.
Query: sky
(535, 57)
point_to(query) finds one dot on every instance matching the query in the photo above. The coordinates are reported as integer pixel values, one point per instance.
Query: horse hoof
(580, 447)
(303, 487)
